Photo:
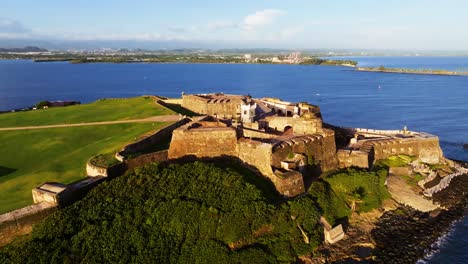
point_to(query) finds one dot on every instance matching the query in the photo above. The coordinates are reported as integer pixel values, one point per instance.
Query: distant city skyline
(302, 24)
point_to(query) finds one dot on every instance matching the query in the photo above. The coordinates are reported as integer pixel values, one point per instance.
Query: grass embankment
(101, 110)
(395, 161)
(31, 157)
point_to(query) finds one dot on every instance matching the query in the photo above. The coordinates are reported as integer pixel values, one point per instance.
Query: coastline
(411, 71)
(399, 234)
(156, 60)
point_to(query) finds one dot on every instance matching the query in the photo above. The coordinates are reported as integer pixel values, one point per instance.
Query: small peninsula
(411, 71)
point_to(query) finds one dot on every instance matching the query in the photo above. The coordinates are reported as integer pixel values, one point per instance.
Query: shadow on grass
(5, 171)
(180, 110)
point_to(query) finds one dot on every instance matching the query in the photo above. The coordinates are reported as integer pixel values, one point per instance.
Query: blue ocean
(431, 103)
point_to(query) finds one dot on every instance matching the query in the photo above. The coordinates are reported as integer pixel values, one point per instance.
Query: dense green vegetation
(361, 190)
(31, 157)
(101, 110)
(319, 61)
(192, 213)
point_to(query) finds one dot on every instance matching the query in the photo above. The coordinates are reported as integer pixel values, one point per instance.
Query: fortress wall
(257, 154)
(203, 142)
(319, 148)
(21, 221)
(199, 105)
(299, 125)
(225, 110)
(146, 159)
(155, 138)
(328, 150)
(194, 104)
(292, 184)
(257, 134)
(348, 158)
(172, 101)
(92, 170)
(428, 150)
(112, 171)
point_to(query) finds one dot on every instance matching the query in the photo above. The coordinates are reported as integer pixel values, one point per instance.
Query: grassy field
(102, 110)
(30, 157)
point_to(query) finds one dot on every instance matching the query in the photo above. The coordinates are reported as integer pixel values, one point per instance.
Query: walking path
(164, 118)
(403, 194)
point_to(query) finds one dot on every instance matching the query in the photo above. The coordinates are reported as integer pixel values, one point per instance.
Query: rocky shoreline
(396, 233)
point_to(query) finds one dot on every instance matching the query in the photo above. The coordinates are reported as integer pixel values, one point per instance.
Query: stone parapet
(21, 221)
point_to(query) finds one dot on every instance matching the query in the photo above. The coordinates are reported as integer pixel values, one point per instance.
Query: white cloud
(120, 36)
(291, 32)
(8, 25)
(221, 25)
(261, 18)
(204, 28)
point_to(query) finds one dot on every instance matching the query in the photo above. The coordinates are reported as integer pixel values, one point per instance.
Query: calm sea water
(435, 104)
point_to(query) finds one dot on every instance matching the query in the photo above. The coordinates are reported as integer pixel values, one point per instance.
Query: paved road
(165, 118)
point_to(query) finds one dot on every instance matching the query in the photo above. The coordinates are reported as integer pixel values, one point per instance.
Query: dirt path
(403, 194)
(165, 118)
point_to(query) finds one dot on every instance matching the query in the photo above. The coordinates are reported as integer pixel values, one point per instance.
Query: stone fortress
(286, 142)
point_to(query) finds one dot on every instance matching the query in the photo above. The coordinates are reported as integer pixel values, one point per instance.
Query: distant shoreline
(411, 71)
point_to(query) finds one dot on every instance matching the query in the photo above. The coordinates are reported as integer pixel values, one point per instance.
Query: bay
(431, 103)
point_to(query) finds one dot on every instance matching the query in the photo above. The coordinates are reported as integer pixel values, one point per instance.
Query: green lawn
(102, 110)
(30, 157)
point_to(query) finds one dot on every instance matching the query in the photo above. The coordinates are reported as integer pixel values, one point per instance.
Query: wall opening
(288, 130)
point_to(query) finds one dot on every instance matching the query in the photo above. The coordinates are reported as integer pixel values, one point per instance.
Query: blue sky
(410, 24)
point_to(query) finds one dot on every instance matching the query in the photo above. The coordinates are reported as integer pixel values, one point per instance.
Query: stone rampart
(21, 221)
(349, 158)
(226, 108)
(251, 133)
(155, 138)
(319, 148)
(111, 171)
(305, 126)
(258, 155)
(426, 149)
(203, 142)
(142, 160)
(171, 101)
(444, 183)
(290, 183)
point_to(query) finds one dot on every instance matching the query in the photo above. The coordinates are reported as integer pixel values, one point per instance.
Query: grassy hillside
(30, 157)
(102, 110)
(179, 213)
(195, 212)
